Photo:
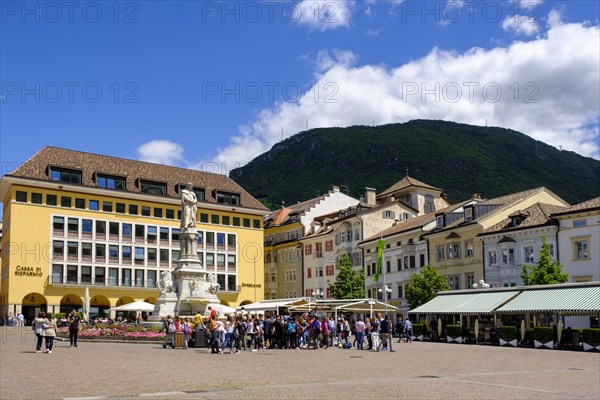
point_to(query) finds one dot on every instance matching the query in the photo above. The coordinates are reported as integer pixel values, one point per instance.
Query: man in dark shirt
(74, 321)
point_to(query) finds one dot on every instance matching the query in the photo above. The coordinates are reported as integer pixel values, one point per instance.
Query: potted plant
(591, 339)
(454, 333)
(508, 336)
(419, 331)
(543, 337)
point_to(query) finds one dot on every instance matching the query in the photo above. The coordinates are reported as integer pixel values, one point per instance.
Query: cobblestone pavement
(416, 370)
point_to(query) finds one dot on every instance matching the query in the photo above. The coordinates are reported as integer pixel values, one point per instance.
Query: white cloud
(327, 60)
(325, 14)
(520, 25)
(161, 152)
(548, 91)
(554, 18)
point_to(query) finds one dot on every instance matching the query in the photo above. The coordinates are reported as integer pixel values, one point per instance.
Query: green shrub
(59, 315)
(419, 329)
(454, 330)
(543, 334)
(591, 335)
(508, 333)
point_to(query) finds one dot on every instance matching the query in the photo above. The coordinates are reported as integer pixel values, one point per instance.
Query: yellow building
(455, 249)
(73, 220)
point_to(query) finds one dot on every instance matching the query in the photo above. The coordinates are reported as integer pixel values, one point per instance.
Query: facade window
(469, 251)
(231, 242)
(469, 280)
(72, 251)
(440, 253)
(210, 239)
(110, 182)
(57, 273)
(133, 209)
(308, 249)
(429, 205)
(246, 222)
(151, 281)
(214, 219)
(50, 199)
(145, 211)
(439, 221)
(126, 230)
(528, 256)
(508, 256)
(454, 282)
(73, 226)
(210, 260)
(170, 214)
(389, 214)
(80, 203)
(329, 246)
(58, 250)
(100, 253)
(113, 276)
(421, 260)
(175, 234)
(155, 188)
(231, 283)
(492, 258)
(94, 205)
(65, 201)
(120, 208)
(309, 273)
(256, 223)
(221, 241)
(329, 270)
(58, 224)
(469, 214)
(551, 249)
(225, 220)
(453, 251)
(580, 223)
(36, 198)
(204, 218)
(139, 278)
(228, 198)
(236, 221)
(388, 266)
(113, 230)
(72, 272)
(158, 212)
(86, 251)
(99, 273)
(113, 253)
(140, 254)
(86, 227)
(107, 206)
(580, 247)
(100, 229)
(126, 252)
(126, 277)
(220, 261)
(164, 256)
(230, 262)
(21, 197)
(65, 175)
(319, 271)
(86, 274)
(319, 249)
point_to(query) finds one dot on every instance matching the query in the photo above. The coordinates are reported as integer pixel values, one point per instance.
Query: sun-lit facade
(73, 220)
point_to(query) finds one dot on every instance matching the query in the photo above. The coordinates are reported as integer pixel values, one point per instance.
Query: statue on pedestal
(189, 207)
(165, 284)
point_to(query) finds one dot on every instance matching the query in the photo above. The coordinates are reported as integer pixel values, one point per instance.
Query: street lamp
(387, 290)
(316, 293)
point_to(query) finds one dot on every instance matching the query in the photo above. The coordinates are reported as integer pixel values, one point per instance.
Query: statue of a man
(189, 206)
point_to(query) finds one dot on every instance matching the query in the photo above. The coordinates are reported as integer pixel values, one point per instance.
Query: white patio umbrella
(86, 304)
(136, 306)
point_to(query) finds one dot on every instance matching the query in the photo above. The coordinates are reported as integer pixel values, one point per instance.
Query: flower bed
(117, 332)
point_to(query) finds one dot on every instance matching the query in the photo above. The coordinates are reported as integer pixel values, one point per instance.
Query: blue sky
(211, 84)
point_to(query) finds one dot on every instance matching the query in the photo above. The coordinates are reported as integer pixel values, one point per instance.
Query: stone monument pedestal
(189, 289)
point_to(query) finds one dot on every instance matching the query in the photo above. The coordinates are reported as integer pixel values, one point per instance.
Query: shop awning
(566, 300)
(273, 305)
(466, 303)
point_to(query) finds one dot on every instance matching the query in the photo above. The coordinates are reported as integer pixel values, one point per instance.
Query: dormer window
(65, 175)
(439, 221)
(227, 198)
(468, 214)
(110, 182)
(429, 205)
(389, 214)
(151, 187)
(517, 218)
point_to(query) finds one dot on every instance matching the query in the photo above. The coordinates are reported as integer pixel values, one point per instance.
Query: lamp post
(316, 293)
(256, 311)
(387, 290)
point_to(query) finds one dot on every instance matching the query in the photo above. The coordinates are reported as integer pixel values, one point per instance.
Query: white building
(517, 240)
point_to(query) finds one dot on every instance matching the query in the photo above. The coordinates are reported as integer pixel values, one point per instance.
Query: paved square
(415, 371)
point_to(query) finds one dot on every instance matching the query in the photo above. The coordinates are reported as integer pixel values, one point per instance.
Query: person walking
(38, 329)
(386, 331)
(186, 328)
(408, 330)
(49, 332)
(368, 333)
(399, 329)
(229, 329)
(326, 331)
(169, 328)
(74, 322)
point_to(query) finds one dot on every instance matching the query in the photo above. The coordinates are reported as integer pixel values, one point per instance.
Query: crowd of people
(244, 332)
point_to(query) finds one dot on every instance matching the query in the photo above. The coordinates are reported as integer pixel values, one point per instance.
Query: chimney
(370, 197)
(336, 189)
(476, 196)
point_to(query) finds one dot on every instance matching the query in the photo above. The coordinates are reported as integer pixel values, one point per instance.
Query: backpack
(291, 327)
(316, 326)
(171, 328)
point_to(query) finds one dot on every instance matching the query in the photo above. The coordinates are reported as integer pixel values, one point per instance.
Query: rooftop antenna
(486, 122)
(407, 172)
(347, 191)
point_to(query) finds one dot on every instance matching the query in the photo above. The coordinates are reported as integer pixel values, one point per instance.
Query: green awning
(569, 300)
(468, 303)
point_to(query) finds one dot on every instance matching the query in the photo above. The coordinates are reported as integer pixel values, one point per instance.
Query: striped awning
(466, 303)
(569, 300)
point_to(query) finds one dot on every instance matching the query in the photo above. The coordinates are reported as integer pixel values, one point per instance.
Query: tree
(349, 283)
(424, 285)
(546, 272)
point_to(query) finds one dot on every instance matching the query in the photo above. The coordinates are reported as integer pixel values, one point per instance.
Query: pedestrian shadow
(29, 351)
